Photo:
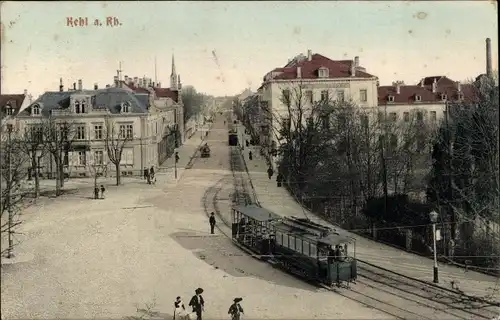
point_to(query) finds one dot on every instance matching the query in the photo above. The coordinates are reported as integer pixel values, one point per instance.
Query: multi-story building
(317, 78)
(12, 104)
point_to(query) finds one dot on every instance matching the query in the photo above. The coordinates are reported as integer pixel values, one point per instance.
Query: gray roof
(257, 213)
(111, 98)
(333, 238)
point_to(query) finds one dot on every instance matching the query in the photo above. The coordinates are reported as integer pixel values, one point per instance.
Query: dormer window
(460, 96)
(126, 107)
(418, 98)
(390, 98)
(36, 110)
(443, 97)
(77, 107)
(323, 72)
(82, 106)
(9, 109)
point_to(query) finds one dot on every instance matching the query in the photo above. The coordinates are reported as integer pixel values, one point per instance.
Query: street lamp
(176, 159)
(433, 215)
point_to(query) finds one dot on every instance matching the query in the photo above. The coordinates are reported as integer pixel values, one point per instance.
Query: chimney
(115, 80)
(126, 79)
(61, 87)
(459, 86)
(136, 81)
(108, 86)
(356, 61)
(74, 86)
(397, 84)
(489, 71)
(95, 86)
(159, 84)
(309, 55)
(299, 72)
(434, 86)
(154, 84)
(80, 86)
(353, 69)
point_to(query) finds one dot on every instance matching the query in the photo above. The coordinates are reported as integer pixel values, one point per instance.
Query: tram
(233, 135)
(310, 250)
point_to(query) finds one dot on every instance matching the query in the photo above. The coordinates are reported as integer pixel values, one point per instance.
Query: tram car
(233, 135)
(299, 246)
(205, 151)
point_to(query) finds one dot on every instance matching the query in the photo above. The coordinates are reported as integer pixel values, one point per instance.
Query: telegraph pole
(9, 194)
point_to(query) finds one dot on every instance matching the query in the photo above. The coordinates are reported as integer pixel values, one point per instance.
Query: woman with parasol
(235, 310)
(197, 303)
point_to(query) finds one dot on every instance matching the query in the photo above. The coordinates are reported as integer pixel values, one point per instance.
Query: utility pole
(451, 212)
(384, 165)
(9, 194)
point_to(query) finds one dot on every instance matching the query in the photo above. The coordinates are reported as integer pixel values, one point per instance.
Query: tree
(97, 167)
(192, 101)
(12, 172)
(115, 140)
(32, 145)
(58, 137)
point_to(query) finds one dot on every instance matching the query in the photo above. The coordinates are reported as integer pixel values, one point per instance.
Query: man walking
(212, 222)
(197, 303)
(270, 173)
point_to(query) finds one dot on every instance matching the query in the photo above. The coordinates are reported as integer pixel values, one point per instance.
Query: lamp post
(176, 159)
(433, 215)
(9, 194)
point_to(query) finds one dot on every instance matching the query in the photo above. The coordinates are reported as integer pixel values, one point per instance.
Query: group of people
(279, 177)
(197, 304)
(149, 175)
(96, 192)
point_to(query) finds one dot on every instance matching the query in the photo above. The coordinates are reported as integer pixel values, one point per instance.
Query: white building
(318, 78)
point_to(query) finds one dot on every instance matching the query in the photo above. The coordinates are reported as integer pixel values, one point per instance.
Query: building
(318, 78)
(12, 104)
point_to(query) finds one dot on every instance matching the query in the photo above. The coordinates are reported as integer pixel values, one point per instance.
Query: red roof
(407, 94)
(309, 69)
(16, 101)
(159, 92)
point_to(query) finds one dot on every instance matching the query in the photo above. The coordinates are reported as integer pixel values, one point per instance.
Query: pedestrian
(179, 309)
(212, 222)
(451, 249)
(146, 173)
(249, 155)
(152, 172)
(270, 173)
(279, 179)
(197, 303)
(247, 143)
(96, 192)
(102, 191)
(235, 310)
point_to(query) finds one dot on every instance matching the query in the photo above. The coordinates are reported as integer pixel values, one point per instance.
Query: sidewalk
(281, 202)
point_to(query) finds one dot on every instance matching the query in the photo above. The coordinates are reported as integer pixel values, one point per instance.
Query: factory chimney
(489, 71)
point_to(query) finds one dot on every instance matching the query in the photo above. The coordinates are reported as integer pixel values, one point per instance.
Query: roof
(16, 101)
(257, 213)
(111, 98)
(333, 238)
(159, 92)
(408, 93)
(309, 69)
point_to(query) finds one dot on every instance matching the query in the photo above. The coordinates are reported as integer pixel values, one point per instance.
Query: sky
(222, 48)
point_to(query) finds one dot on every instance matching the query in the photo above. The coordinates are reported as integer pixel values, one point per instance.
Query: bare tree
(12, 173)
(58, 137)
(115, 140)
(31, 144)
(97, 167)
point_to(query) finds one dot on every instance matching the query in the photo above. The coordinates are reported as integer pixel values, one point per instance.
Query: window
(98, 131)
(82, 160)
(363, 95)
(80, 133)
(9, 109)
(98, 157)
(324, 95)
(393, 116)
(127, 157)
(279, 238)
(126, 131)
(66, 158)
(323, 72)
(390, 98)
(285, 240)
(340, 95)
(291, 242)
(35, 133)
(460, 96)
(36, 110)
(433, 115)
(406, 116)
(364, 121)
(309, 95)
(126, 107)
(298, 245)
(380, 116)
(420, 116)
(77, 106)
(305, 247)
(444, 97)
(82, 106)
(418, 98)
(313, 252)
(394, 141)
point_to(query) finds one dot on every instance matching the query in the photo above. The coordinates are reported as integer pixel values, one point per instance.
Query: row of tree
(193, 101)
(364, 168)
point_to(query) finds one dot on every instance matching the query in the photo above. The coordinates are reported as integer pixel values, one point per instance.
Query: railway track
(396, 295)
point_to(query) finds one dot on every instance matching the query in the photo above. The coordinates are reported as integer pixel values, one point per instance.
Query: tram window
(279, 238)
(291, 242)
(313, 252)
(298, 245)
(305, 247)
(285, 240)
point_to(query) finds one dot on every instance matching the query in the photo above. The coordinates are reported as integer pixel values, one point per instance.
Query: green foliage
(193, 101)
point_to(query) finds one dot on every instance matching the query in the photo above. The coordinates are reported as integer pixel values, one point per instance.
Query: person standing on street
(270, 173)
(146, 173)
(102, 191)
(235, 310)
(151, 173)
(250, 155)
(212, 222)
(197, 303)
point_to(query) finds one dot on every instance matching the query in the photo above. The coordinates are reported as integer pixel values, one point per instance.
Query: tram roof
(333, 239)
(257, 213)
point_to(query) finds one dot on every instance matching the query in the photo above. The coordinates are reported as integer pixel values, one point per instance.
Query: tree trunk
(34, 169)
(60, 168)
(58, 177)
(117, 167)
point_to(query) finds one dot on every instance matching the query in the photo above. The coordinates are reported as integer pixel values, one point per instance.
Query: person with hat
(179, 309)
(235, 310)
(197, 303)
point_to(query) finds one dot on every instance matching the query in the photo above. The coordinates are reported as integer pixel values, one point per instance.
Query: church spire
(173, 76)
